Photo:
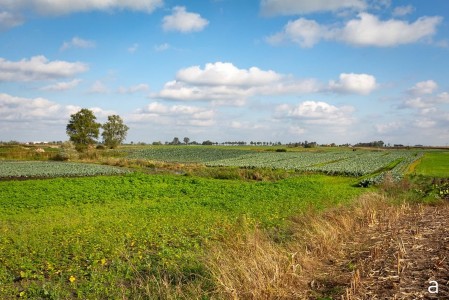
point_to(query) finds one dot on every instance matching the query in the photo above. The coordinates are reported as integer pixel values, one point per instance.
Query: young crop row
(282, 160)
(193, 154)
(397, 173)
(15, 169)
(332, 163)
(361, 165)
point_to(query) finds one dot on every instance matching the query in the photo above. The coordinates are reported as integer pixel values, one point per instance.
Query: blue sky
(270, 70)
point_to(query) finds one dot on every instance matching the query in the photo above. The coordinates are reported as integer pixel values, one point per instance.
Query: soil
(398, 258)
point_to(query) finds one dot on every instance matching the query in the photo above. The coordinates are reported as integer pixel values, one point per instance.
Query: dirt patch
(398, 258)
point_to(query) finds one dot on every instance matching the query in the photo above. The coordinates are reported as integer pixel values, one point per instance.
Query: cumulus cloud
(366, 30)
(61, 7)
(422, 98)
(38, 68)
(225, 84)
(295, 7)
(9, 20)
(220, 73)
(183, 21)
(182, 115)
(62, 86)
(77, 42)
(16, 109)
(316, 112)
(351, 83)
(423, 88)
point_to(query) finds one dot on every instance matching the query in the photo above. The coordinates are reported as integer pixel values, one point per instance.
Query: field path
(403, 256)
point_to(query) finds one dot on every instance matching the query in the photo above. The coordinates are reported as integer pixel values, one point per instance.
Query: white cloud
(365, 31)
(9, 20)
(220, 73)
(225, 84)
(304, 32)
(183, 21)
(362, 84)
(424, 88)
(316, 112)
(77, 42)
(401, 11)
(368, 30)
(62, 86)
(98, 87)
(38, 68)
(296, 7)
(61, 7)
(134, 89)
(18, 109)
(180, 115)
(162, 47)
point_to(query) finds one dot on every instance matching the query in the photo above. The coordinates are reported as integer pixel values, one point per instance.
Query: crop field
(95, 238)
(124, 235)
(196, 154)
(338, 162)
(18, 169)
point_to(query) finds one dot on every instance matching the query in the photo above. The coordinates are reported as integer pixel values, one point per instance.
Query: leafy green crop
(96, 238)
(16, 169)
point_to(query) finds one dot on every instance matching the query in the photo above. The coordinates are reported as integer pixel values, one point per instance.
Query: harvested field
(403, 255)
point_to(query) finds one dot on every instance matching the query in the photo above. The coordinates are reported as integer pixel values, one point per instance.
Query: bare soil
(397, 257)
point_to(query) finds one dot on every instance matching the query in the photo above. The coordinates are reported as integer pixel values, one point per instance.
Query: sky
(329, 71)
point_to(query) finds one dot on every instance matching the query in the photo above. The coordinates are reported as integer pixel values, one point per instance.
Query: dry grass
(314, 264)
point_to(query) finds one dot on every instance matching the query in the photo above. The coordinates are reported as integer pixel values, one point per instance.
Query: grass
(138, 235)
(433, 164)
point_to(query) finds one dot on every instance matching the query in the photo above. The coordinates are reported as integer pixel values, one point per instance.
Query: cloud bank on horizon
(270, 70)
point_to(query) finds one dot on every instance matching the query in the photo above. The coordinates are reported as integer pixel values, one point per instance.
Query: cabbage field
(23, 169)
(338, 162)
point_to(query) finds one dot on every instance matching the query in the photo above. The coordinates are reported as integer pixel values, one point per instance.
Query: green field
(434, 164)
(106, 233)
(128, 236)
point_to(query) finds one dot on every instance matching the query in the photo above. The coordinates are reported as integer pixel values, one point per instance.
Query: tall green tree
(114, 131)
(83, 129)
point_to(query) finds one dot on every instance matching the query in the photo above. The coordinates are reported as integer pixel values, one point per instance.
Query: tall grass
(250, 265)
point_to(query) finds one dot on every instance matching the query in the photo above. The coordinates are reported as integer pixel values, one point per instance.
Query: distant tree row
(377, 144)
(83, 130)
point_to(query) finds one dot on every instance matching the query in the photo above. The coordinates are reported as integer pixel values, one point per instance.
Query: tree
(82, 129)
(175, 141)
(186, 140)
(114, 131)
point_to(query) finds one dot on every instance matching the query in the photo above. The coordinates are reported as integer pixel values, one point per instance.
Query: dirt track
(401, 257)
